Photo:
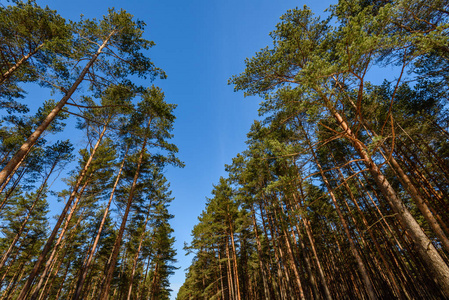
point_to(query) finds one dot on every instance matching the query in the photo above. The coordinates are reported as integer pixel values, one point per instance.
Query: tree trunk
(426, 249)
(61, 218)
(85, 268)
(413, 192)
(305, 221)
(259, 254)
(47, 291)
(24, 58)
(406, 182)
(56, 248)
(234, 258)
(25, 148)
(110, 270)
(69, 262)
(291, 256)
(13, 286)
(16, 182)
(373, 238)
(155, 281)
(221, 274)
(361, 266)
(229, 272)
(136, 257)
(23, 225)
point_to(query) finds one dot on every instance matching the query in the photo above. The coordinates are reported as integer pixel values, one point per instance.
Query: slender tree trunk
(126, 257)
(373, 238)
(361, 266)
(12, 262)
(136, 257)
(12, 282)
(69, 262)
(305, 221)
(259, 254)
(12, 288)
(5, 156)
(221, 274)
(422, 206)
(300, 249)
(291, 257)
(105, 289)
(5, 76)
(426, 249)
(278, 291)
(57, 247)
(47, 291)
(61, 218)
(417, 167)
(22, 227)
(229, 272)
(413, 192)
(154, 288)
(25, 148)
(42, 293)
(317, 260)
(294, 265)
(234, 255)
(85, 268)
(283, 276)
(141, 291)
(15, 184)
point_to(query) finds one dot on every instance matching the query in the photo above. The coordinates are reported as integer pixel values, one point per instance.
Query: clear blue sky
(200, 44)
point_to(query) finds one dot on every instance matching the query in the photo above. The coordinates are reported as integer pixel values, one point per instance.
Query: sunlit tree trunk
(61, 218)
(136, 257)
(234, 258)
(25, 148)
(5, 76)
(361, 266)
(305, 222)
(259, 254)
(85, 268)
(24, 223)
(104, 294)
(426, 249)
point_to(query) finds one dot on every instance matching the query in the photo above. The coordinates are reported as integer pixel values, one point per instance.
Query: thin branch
(99, 106)
(378, 221)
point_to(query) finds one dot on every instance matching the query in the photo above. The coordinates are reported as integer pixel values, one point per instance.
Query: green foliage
(122, 119)
(32, 39)
(309, 208)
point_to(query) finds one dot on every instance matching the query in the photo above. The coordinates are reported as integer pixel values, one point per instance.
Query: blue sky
(200, 44)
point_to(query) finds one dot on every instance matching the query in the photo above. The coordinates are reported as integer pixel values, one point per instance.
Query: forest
(112, 238)
(342, 191)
